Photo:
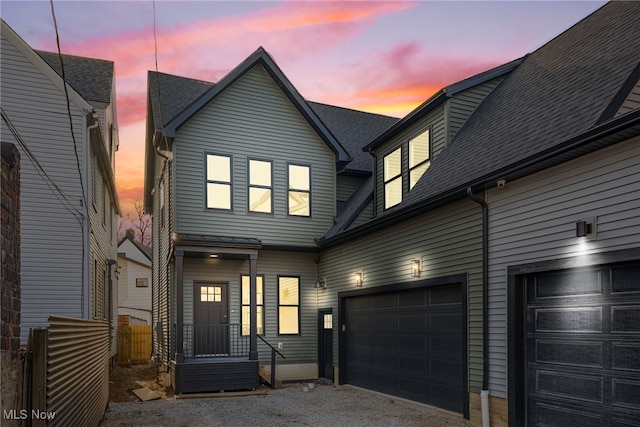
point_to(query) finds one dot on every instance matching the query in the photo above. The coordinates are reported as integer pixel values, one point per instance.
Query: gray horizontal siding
(463, 104)
(296, 348)
(447, 240)
(346, 186)
(533, 219)
(253, 119)
(51, 237)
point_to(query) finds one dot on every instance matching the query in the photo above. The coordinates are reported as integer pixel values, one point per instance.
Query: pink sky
(383, 57)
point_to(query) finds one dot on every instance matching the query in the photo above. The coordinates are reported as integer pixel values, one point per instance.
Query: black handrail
(273, 361)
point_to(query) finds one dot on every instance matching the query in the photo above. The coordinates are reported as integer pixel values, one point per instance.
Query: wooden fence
(134, 344)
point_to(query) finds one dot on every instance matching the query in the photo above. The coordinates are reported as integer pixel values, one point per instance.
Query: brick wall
(11, 359)
(10, 201)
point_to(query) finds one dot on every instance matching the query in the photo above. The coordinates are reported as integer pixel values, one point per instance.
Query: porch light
(358, 278)
(320, 284)
(213, 255)
(416, 267)
(586, 228)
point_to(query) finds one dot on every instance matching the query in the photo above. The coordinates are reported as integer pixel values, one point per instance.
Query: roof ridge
(352, 109)
(182, 77)
(39, 51)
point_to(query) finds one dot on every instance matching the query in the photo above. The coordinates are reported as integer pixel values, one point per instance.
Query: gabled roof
(439, 98)
(558, 94)
(558, 104)
(23, 47)
(144, 249)
(260, 57)
(175, 94)
(353, 129)
(91, 78)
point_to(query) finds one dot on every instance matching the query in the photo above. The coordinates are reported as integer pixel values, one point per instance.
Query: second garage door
(409, 343)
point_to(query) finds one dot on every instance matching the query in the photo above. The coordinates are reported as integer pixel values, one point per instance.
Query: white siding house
(134, 281)
(69, 204)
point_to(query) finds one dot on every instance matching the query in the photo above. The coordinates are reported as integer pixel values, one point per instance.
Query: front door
(211, 319)
(325, 344)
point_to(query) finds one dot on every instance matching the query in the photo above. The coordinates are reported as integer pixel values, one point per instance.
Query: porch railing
(223, 340)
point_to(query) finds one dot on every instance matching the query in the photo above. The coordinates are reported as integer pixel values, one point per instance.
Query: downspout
(484, 393)
(86, 252)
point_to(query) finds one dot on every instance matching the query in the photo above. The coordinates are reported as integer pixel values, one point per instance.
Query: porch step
(265, 378)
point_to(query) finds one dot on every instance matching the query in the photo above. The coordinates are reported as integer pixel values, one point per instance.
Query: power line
(57, 191)
(66, 93)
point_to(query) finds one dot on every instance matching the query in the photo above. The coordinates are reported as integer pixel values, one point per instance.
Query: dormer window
(393, 178)
(418, 157)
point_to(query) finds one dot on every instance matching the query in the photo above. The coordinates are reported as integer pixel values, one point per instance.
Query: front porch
(216, 358)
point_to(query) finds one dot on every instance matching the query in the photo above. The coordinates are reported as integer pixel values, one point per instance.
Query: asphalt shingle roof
(353, 129)
(91, 78)
(560, 91)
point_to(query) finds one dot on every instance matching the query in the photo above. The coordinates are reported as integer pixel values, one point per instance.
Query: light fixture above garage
(358, 278)
(586, 228)
(416, 267)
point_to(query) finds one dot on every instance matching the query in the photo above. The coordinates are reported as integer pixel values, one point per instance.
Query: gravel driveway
(325, 405)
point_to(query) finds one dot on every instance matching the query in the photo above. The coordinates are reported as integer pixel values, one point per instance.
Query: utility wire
(155, 53)
(57, 191)
(66, 93)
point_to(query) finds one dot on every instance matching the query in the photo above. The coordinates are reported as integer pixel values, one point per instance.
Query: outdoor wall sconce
(586, 228)
(320, 284)
(358, 278)
(416, 267)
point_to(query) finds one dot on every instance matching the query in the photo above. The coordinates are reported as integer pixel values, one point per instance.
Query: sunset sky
(383, 57)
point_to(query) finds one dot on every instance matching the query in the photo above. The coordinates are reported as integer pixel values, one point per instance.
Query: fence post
(39, 378)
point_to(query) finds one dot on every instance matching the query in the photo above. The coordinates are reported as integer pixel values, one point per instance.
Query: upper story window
(299, 190)
(218, 181)
(418, 157)
(393, 178)
(260, 186)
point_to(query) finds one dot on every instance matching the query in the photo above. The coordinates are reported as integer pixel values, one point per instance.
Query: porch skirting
(214, 374)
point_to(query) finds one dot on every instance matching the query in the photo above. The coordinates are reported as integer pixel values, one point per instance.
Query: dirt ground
(124, 379)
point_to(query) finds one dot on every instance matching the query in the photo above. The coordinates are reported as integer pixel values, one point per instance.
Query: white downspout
(86, 268)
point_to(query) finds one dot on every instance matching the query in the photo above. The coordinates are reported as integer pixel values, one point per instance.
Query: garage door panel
(554, 383)
(625, 392)
(447, 344)
(384, 342)
(413, 298)
(554, 416)
(445, 295)
(413, 322)
(413, 343)
(445, 322)
(568, 353)
(626, 356)
(445, 395)
(567, 284)
(625, 319)
(445, 370)
(384, 301)
(625, 279)
(624, 423)
(384, 322)
(570, 319)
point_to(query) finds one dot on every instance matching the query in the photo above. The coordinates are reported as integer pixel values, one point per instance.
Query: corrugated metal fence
(134, 344)
(77, 371)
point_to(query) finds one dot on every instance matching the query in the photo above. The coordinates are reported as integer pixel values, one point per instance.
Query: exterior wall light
(416, 267)
(586, 228)
(358, 278)
(320, 284)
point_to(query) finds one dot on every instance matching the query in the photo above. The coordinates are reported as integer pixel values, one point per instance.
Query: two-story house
(449, 255)
(66, 132)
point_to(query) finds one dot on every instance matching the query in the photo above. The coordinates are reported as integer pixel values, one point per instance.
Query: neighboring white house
(134, 281)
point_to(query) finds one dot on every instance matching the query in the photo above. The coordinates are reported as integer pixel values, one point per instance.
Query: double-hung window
(392, 178)
(299, 190)
(246, 304)
(418, 157)
(260, 186)
(218, 181)
(288, 305)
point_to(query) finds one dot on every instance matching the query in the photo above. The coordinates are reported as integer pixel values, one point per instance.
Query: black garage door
(583, 347)
(409, 344)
